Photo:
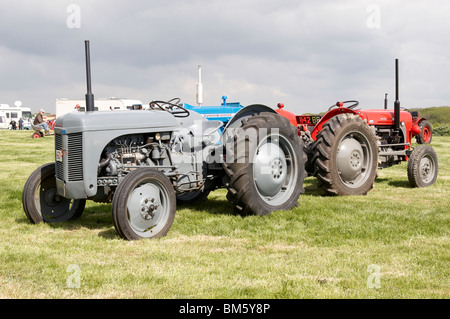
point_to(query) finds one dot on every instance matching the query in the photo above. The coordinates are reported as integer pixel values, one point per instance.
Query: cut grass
(321, 249)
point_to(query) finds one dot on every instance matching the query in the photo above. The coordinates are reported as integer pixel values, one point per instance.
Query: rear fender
(327, 116)
(246, 112)
(418, 120)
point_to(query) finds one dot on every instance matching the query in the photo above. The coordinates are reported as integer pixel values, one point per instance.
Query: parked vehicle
(345, 146)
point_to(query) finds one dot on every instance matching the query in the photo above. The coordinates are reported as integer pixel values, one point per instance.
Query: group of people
(38, 121)
(14, 124)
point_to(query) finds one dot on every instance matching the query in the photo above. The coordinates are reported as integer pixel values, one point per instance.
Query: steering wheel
(340, 104)
(172, 106)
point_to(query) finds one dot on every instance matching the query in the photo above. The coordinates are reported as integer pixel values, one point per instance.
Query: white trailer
(3, 123)
(64, 106)
(15, 112)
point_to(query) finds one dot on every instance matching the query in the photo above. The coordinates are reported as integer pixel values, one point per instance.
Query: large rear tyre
(41, 201)
(422, 166)
(345, 156)
(264, 165)
(426, 133)
(144, 205)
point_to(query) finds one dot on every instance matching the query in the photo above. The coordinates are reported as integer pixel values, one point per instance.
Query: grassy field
(392, 243)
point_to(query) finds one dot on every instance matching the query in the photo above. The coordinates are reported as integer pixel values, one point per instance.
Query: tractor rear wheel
(41, 201)
(264, 165)
(345, 156)
(144, 205)
(425, 134)
(422, 166)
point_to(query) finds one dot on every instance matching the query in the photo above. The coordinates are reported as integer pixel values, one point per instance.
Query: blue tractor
(225, 112)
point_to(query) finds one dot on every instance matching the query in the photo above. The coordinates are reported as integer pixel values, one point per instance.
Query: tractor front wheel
(422, 166)
(345, 156)
(426, 133)
(41, 201)
(144, 205)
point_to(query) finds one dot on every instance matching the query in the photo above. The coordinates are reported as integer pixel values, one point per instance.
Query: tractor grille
(59, 165)
(73, 156)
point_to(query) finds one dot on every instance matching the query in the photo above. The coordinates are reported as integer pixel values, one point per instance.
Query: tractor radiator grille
(59, 165)
(75, 156)
(72, 147)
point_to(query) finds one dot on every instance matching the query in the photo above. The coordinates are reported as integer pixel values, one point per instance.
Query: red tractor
(345, 146)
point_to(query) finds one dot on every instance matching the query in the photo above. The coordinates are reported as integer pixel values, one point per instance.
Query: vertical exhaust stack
(199, 87)
(89, 95)
(397, 102)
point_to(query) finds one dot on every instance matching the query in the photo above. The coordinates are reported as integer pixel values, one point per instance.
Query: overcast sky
(306, 54)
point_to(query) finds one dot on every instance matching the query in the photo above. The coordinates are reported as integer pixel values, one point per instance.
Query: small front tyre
(41, 201)
(426, 133)
(422, 166)
(144, 205)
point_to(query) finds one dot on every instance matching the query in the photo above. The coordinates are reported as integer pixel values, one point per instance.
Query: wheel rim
(148, 208)
(53, 208)
(427, 169)
(275, 169)
(354, 159)
(426, 134)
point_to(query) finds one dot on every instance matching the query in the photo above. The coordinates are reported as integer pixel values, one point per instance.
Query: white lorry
(64, 106)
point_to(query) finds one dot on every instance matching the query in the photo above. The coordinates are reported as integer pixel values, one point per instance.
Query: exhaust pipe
(89, 95)
(199, 87)
(397, 102)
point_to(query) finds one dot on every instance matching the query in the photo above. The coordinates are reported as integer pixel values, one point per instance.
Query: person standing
(20, 124)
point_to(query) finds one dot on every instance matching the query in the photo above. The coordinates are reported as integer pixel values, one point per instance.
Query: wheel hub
(148, 208)
(270, 169)
(277, 168)
(53, 207)
(51, 197)
(144, 207)
(425, 169)
(350, 158)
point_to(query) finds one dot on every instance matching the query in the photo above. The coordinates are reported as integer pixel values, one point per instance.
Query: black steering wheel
(340, 104)
(172, 106)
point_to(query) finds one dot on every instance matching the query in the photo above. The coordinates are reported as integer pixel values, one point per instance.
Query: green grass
(321, 249)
